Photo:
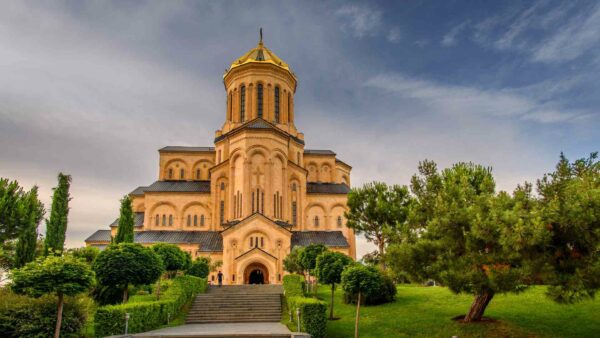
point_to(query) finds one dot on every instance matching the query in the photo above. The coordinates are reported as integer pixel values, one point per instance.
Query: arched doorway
(256, 273)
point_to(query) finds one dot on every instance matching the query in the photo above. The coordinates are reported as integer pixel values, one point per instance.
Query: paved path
(224, 330)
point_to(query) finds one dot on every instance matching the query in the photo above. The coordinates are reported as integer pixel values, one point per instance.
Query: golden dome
(260, 54)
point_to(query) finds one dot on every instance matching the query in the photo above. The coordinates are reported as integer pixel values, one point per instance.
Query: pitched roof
(318, 152)
(138, 220)
(209, 241)
(179, 186)
(186, 149)
(138, 191)
(327, 188)
(327, 238)
(258, 123)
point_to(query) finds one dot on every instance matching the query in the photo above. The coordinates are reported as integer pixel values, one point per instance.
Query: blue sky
(94, 88)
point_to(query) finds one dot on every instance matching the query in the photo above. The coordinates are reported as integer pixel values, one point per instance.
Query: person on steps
(220, 278)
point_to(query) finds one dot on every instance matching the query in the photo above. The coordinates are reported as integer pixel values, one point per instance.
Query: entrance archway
(256, 273)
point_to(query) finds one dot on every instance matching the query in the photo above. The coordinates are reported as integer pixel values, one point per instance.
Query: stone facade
(257, 193)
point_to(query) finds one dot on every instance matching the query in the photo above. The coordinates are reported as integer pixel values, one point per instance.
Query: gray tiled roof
(258, 123)
(179, 186)
(209, 241)
(327, 238)
(186, 149)
(318, 152)
(327, 188)
(138, 191)
(138, 220)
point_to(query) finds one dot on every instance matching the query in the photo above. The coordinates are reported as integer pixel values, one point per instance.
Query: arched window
(189, 220)
(339, 221)
(170, 173)
(181, 174)
(230, 106)
(276, 104)
(157, 220)
(164, 221)
(294, 213)
(243, 104)
(316, 221)
(222, 212)
(298, 156)
(198, 174)
(294, 187)
(259, 99)
(289, 106)
(222, 186)
(195, 220)
(170, 220)
(262, 242)
(201, 220)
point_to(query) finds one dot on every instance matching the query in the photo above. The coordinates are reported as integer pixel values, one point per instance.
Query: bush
(293, 285)
(381, 290)
(313, 315)
(149, 315)
(22, 316)
(199, 268)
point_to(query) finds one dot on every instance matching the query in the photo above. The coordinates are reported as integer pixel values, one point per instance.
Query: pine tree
(32, 213)
(126, 221)
(56, 226)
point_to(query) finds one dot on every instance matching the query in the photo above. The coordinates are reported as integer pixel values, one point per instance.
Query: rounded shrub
(378, 288)
(199, 268)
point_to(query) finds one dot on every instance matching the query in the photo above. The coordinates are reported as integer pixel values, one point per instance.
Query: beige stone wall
(250, 171)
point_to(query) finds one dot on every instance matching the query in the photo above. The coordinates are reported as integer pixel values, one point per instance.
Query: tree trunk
(331, 309)
(381, 251)
(308, 283)
(125, 296)
(478, 306)
(357, 316)
(59, 315)
(158, 289)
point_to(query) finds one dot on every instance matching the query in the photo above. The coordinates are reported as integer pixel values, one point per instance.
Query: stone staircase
(237, 304)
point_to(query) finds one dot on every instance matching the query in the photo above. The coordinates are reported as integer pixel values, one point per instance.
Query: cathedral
(256, 194)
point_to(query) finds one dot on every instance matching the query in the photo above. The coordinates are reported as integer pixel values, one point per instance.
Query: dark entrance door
(256, 277)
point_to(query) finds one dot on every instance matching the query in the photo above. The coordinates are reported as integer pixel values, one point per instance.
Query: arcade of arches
(254, 195)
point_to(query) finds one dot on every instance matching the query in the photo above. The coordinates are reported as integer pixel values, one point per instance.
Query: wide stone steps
(237, 304)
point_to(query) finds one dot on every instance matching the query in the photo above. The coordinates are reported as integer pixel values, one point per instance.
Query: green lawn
(427, 312)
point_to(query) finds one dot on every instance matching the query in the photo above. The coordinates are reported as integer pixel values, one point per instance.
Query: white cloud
(450, 37)
(470, 101)
(579, 35)
(360, 20)
(394, 35)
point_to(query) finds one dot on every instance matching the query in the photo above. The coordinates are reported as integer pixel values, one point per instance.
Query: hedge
(313, 312)
(22, 316)
(144, 316)
(313, 315)
(293, 285)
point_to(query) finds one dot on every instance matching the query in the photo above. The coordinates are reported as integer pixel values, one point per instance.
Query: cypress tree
(32, 213)
(56, 226)
(126, 220)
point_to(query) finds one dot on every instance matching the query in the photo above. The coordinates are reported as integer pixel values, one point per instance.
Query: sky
(95, 88)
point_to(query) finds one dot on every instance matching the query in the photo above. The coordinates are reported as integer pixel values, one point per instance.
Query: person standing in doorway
(220, 278)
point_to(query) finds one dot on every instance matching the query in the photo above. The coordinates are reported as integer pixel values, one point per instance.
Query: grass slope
(427, 312)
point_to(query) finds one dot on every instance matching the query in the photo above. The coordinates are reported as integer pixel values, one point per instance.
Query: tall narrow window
(230, 106)
(262, 203)
(259, 99)
(339, 221)
(222, 212)
(164, 222)
(294, 213)
(275, 205)
(198, 174)
(316, 221)
(201, 220)
(280, 206)
(243, 104)
(181, 174)
(195, 220)
(289, 107)
(170, 220)
(276, 104)
(298, 158)
(189, 220)
(157, 220)
(170, 173)
(253, 202)
(262, 242)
